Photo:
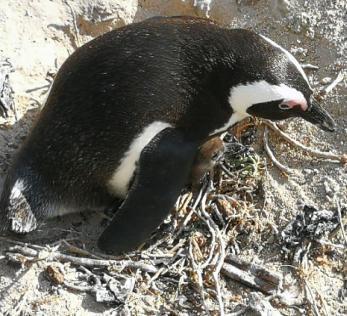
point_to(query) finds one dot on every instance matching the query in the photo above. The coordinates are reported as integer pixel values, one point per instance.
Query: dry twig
(313, 152)
(331, 86)
(309, 66)
(198, 271)
(189, 215)
(220, 256)
(252, 275)
(341, 221)
(310, 298)
(74, 22)
(50, 254)
(79, 251)
(280, 166)
(324, 304)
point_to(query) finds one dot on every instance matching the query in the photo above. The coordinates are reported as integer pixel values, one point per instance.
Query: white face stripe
(119, 182)
(244, 96)
(290, 57)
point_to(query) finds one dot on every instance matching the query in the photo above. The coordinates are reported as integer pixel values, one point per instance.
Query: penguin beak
(315, 114)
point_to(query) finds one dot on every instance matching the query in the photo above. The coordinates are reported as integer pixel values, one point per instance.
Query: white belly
(119, 182)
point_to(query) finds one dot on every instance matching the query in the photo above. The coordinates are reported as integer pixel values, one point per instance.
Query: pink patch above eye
(302, 103)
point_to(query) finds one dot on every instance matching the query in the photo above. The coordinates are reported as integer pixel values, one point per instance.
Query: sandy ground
(37, 36)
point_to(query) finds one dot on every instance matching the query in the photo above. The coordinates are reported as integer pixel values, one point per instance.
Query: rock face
(37, 36)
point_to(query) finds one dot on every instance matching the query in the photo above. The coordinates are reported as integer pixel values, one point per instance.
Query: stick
(190, 214)
(265, 280)
(74, 22)
(327, 243)
(221, 255)
(186, 201)
(283, 168)
(38, 88)
(24, 244)
(331, 86)
(213, 243)
(54, 255)
(239, 275)
(216, 272)
(309, 66)
(88, 289)
(324, 304)
(341, 222)
(169, 266)
(79, 251)
(311, 300)
(197, 269)
(313, 152)
(256, 269)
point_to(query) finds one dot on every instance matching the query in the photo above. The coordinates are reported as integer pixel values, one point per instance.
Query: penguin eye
(284, 106)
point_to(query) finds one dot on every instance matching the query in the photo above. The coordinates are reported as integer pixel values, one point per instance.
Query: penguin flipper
(163, 169)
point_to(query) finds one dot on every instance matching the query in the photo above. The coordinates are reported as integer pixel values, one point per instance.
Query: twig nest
(199, 243)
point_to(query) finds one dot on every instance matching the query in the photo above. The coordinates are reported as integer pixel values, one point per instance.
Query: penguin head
(277, 88)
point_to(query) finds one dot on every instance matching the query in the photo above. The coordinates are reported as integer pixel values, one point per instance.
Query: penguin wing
(163, 169)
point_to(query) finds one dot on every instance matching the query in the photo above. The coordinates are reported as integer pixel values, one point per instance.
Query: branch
(35, 255)
(280, 166)
(252, 275)
(313, 152)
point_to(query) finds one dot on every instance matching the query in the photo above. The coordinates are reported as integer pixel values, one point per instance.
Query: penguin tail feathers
(15, 212)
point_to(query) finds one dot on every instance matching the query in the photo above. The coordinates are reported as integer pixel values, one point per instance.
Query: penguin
(127, 114)
(208, 155)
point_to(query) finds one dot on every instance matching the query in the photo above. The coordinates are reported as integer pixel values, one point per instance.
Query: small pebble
(327, 188)
(308, 171)
(60, 291)
(325, 80)
(298, 50)
(301, 204)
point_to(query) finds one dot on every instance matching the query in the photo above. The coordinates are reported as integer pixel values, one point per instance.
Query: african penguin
(128, 111)
(209, 153)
